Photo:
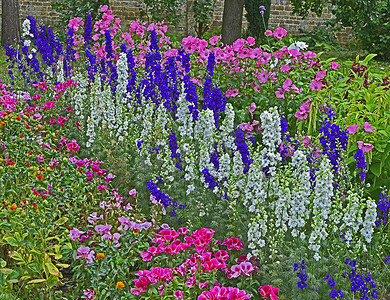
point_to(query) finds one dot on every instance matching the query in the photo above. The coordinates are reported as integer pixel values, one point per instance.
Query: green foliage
(257, 18)
(321, 38)
(160, 10)
(203, 15)
(369, 19)
(69, 9)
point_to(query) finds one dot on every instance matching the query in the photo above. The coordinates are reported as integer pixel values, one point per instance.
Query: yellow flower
(100, 256)
(120, 285)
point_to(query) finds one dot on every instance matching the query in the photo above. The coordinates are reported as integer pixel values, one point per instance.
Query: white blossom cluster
(95, 111)
(80, 96)
(272, 138)
(323, 192)
(299, 206)
(121, 96)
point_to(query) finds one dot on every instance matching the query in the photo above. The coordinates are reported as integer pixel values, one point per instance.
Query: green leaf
(6, 271)
(368, 58)
(3, 263)
(10, 240)
(52, 281)
(36, 281)
(52, 269)
(376, 169)
(61, 221)
(5, 225)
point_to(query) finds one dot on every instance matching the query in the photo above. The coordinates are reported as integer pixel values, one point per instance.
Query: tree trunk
(10, 25)
(232, 21)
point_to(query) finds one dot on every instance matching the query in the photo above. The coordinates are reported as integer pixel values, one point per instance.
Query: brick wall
(128, 10)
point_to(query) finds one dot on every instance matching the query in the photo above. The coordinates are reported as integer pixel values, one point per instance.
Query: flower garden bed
(141, 171)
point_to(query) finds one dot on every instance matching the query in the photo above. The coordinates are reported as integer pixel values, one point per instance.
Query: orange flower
(2, 123)
(120, 285)
(40, 177)
(100, 256)
(12, 207)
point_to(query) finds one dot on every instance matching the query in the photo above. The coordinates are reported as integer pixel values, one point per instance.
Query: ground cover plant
(134, 170)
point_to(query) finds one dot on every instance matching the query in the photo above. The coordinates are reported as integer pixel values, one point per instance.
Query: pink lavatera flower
(365, 147)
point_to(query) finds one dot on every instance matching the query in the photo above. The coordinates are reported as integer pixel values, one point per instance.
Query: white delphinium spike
(121, 92)
(109, 108)
(184, 117)
(299, 211)
(323, 193)
(204, 129)
(227, 127)
(60, 74)
(80, 95)
(369, 220)
(270, 123)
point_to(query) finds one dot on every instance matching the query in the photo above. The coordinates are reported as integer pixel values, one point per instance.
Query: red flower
(12, 207)
(40, 177)
(269, 291)
(73, 146)
(34, 204)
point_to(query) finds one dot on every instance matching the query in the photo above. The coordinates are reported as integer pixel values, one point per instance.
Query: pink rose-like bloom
(203, 285)
(103, 229)
(365, 147)
(179, 295)
(279, 33)
(75, 234)
(352, 129)
(285, 68)
(133, 192)
(73, 146)
(146, 256)
(306, 141)
(231, 93)
(104, 8)
(233, 243)
(269, 291)
(49, 105)
(40, 158)
(335, 65)
(250, 40)
(367, 127)
(83, 252)
(315, 85)
(252, 108)
(246, 268)
(89, 293)
(268, 33)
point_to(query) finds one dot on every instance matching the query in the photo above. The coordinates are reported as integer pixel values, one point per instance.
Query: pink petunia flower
(352, 129)
(367, 127)
(365, 146)
(315, 85)
(279, 33)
